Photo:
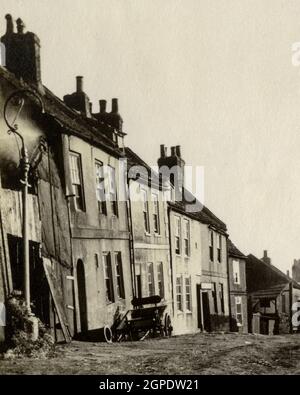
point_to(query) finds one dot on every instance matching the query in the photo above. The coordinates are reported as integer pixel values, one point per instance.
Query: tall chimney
(79, 100)
(9, 24)
(173, 151)
(79, 84)
(288, 273)
(265, 258)
(102, 105)
(22, 52)
(114, 106)
(178, 153)
(162, 151)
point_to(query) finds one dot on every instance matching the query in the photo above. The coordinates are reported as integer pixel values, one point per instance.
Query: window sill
(147, 234)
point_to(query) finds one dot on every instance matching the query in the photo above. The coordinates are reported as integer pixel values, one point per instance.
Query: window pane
(146, 211)
(100, 187)
(160, 279)
(108, 278)
(150, 280)
(188, 294)
(119, 275)
(179, 293)
(76, 178)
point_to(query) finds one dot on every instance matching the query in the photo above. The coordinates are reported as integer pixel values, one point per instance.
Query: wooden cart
(142, 322)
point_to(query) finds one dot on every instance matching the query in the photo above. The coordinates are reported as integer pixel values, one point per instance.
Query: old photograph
(149, 207)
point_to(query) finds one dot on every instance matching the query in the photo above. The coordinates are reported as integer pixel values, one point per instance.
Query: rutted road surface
(189, 354)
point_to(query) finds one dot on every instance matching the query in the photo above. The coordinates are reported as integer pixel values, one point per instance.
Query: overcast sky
(214, 76)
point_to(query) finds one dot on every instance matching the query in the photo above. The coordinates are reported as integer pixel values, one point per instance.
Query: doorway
(206, 312)
(199, 314)
(82, 296)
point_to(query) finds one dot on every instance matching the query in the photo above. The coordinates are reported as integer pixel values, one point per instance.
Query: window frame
(187, 237)
(77, 196)
(160, 279)
(119, 274)
(177, 235)
(219, 248)
(179, 294)
(108, 277)
(146, 214)
(150, 275)
(211, 245)
(188, 292)
(237, 314)
(112, 190)
(156, 216)
(100, 186)
(236, 273)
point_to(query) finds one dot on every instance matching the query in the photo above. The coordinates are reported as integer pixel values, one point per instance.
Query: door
(82, 295)
(206, 312)
(199, 315)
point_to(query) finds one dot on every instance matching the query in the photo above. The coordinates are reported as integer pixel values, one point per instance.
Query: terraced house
(78, 227)
(198, 242)
(100, 236)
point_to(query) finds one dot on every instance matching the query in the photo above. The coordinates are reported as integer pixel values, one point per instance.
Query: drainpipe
(131, 242)
(171, 261)
(228, 279)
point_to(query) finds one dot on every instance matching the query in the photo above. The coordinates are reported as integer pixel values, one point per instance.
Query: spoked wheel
(168, 329)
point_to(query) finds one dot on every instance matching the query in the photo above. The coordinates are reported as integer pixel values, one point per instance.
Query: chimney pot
(79, 84)
(9, 24)
(173, 151)
(162, 151)
(265, 253)
(178, 152)
(288, 273)
(114, 106)
(102, 104)
(20, 26)
(91, 107)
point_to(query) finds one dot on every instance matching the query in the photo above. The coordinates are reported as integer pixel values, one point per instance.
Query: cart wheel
(107, 334)
(168, 325)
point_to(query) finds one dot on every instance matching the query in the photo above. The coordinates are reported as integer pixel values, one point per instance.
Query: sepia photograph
(149, 192)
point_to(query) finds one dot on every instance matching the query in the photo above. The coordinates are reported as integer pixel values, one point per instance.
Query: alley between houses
(214, 353)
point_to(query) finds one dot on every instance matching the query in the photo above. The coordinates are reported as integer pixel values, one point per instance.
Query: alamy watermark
(2, 55)
(183, 184)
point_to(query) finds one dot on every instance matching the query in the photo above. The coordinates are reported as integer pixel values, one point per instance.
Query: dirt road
(189, 354)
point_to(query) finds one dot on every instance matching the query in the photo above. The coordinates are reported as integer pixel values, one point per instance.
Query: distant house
(271, 295)
(237, 289)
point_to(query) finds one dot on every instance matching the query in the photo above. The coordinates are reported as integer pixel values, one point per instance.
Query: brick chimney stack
(175, 164)
(22, 52)
(112, 118)
(79, 100)
(265, 258)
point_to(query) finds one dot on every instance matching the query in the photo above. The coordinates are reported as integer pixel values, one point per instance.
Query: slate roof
(252, 261)
(234, 251)
(72, 121)
(90, 130)
(205, 215)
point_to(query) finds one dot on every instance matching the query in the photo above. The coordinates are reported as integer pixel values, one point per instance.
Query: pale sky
(214, 76)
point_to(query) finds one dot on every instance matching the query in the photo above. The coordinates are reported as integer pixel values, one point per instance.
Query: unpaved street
(190, 354)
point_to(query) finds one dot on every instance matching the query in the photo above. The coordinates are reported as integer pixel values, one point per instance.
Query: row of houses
(105, 228)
